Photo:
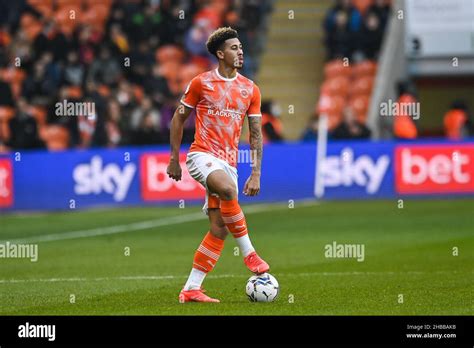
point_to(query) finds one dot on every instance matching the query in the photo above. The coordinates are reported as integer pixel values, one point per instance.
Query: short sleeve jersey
(221, 105)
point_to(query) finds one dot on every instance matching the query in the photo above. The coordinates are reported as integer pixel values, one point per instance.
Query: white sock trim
(195, 279)
(245, 245)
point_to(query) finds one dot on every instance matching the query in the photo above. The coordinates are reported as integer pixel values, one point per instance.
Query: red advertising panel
(434, 169)
(6, 183)
(157, 186)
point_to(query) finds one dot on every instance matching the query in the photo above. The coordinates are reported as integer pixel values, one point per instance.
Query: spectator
(113, 126)
(6, 96)
(23, 129)
(382, 9)
(74, 71)
(145, 108)
(339, 41)
(271, 124)
(370, 39)
(141, 59)
(404, 126)
(350, 128)
(105, 69)
(156, 87)
(457, 121)
(39, 87)
(353, 16)
(311, 130)
(148, 132)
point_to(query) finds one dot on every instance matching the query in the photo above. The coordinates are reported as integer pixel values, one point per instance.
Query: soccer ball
(262, 288)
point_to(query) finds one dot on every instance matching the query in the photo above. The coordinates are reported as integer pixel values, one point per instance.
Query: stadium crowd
(130, 59)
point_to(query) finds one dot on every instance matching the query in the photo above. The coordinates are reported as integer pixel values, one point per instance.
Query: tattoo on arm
(256, 147)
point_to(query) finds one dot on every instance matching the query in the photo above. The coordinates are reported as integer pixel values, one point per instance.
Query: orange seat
(364, 68)
(360, 106)
(104, 91)
(56, 137)
(6, 113)
(362, 86)
(107, 3)
(26, 20)
(170, 70)
(74, 92)
(34, 3)
(138, 93)
(45, 9)
(169, 53)
(338, 85)
(93, 19)
(4, 132)
(187, 73)
(362, 5)
(336, 68)
(61, 3)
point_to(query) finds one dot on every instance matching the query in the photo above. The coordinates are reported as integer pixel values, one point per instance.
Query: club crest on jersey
(209, 164)
(244, 93)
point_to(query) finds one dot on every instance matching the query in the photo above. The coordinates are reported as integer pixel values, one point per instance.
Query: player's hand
(174, 170)
(252, 185)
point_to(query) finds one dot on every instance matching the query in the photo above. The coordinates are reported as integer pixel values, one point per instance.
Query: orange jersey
(221, 105)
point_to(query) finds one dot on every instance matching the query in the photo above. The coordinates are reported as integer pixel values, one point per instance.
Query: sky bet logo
(96, 178)
(345, 170)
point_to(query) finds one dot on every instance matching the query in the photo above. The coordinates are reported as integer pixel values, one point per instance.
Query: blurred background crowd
(133, 58)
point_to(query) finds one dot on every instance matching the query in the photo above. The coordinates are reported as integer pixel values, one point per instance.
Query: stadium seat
(170, 69)
(364, 68)
(330, 104)
(31, 26)
(138, 93)
(107, 3)
(104, 91)
(74, 92)
(336, 68)
(187, 73)
(6, 113)
(56, 137)
(168, 53)
(34, 3)
(362, 86)
(360, 106)
(45, 9)
(362, 5)
(338, 85)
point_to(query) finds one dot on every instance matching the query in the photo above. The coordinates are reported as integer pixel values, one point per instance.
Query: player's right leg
(221, 183)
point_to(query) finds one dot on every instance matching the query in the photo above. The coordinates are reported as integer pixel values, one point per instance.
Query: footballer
(222, 98)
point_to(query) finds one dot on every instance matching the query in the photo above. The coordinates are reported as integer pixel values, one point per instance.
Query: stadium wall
(79, 179)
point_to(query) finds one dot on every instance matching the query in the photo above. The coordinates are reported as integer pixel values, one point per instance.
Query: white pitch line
(219, 276)
(145, 225)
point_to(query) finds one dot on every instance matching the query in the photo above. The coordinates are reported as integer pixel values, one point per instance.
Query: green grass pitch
(409, 266)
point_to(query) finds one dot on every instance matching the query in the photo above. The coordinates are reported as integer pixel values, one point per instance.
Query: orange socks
(234, 218)
(208, 253)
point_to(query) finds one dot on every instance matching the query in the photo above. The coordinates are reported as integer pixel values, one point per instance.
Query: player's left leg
(225, 185)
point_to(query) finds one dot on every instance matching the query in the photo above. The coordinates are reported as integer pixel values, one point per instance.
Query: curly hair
(218, 37)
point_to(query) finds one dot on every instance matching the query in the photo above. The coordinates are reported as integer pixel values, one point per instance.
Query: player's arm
(252, 185)
(176, 136)
(189, 101)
